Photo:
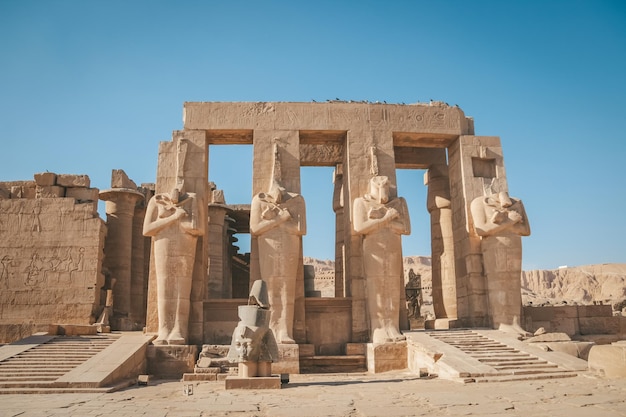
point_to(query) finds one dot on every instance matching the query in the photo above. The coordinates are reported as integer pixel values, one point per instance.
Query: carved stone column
(120, 210)
(340, 251)
(442, 243)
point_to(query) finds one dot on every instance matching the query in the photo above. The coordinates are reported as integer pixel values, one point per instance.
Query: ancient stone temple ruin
(169, 264)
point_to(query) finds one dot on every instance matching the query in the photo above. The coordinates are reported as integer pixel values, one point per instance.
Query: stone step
(6, 379)
(52, 388)
(40, 362)
(5, 376)
(517, 378)
(514, 363)
(501, 349)
(40, 355)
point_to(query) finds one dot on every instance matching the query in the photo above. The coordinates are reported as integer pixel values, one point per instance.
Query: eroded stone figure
(253, 344)
(171, 220)
(278, 220)
(382, 221)
(500, 221)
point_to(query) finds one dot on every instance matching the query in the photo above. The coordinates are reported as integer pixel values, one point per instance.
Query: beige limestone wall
(51, 249)
(573, 320)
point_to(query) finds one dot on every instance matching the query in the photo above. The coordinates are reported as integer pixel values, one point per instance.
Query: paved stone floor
(390, 394)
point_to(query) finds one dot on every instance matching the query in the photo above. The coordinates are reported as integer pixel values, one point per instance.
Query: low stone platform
(259, 382)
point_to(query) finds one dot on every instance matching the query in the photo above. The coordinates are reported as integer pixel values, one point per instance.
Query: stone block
(171, 361)
(306, 350)
(595, 311)
(72, 329)
(288, 359)
(82, 195)
(45, 178)
(599, 325)
(29, 191)
(549, 337)
(355, 349)
(270, 382)
(608, 360)
(570, 312)
(538, 314)
(386, 357)
(72, 180)
(576, 349)
(199, 377)
(119, 179)
(564, 325)
(50, 191)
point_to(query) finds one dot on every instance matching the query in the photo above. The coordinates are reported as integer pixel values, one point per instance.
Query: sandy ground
(388, 394)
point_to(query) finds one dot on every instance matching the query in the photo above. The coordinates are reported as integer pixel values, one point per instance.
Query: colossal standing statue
(382, 221)
(172, 222)
(500, 221)
(278, 221)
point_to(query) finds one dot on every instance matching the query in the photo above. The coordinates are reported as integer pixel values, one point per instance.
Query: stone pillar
(120, 210)
(219, 286)
(340, 286)
(476, 168)
(442, 244)
(263, 169)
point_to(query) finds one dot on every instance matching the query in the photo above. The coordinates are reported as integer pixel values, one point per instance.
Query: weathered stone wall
(574, 320)
(51, 250)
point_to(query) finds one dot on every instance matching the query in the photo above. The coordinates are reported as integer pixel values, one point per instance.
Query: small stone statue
(253, 345)
(382, 221)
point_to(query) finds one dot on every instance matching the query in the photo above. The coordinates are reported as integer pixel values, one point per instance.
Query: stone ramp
(54, 364)
(476, 355)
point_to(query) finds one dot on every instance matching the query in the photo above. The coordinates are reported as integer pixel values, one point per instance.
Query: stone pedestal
(386, 357)
(120, 210)
(441, 324)
(259, 382)
(288, 359)
(171, 361)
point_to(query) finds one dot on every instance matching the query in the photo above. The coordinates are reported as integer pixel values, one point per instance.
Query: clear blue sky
(89, 86)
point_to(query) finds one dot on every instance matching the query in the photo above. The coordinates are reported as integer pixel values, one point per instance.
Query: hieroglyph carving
(382, 221)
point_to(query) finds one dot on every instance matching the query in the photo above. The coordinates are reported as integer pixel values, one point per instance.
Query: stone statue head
(276, 192)
(379, 188)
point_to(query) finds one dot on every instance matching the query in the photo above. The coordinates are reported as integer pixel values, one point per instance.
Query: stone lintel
(443, 122)
(418, 158)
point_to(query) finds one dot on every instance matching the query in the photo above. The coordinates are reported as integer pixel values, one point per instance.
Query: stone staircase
(59, 364)
(502, 361)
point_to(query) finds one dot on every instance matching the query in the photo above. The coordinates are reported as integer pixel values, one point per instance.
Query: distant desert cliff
(588, 284)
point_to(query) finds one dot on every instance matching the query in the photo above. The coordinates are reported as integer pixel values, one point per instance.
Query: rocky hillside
(586, 284)
(602, 283)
